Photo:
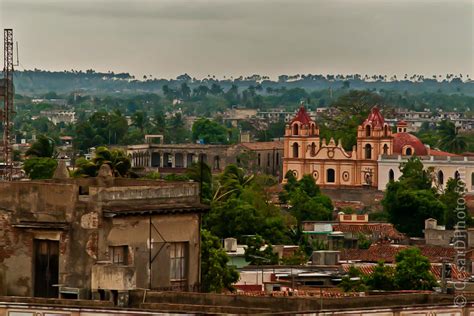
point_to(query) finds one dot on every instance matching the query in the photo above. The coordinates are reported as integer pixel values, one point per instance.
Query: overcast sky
(232, 37)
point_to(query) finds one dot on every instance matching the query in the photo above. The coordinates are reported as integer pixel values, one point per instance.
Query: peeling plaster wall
(134, 231)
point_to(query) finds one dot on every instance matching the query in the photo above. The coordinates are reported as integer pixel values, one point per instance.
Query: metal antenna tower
(8, 111)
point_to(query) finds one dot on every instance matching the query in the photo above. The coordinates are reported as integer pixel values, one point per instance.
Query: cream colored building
(444, 167)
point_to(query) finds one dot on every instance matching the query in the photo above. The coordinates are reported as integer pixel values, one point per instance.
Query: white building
(445, 167)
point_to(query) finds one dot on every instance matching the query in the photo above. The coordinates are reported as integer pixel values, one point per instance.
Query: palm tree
(231, 181)
(139, 120)
(450, 139)
(117, 160)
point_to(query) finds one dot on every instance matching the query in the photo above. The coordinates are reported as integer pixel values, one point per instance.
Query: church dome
(402, 141)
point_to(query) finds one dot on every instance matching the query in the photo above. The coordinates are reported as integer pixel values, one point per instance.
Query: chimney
(431, 223)
(325, 258)
(230, 245)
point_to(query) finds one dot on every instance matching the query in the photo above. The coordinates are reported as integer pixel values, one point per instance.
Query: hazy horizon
(166, 38)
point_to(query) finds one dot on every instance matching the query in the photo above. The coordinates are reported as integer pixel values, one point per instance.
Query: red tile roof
(435, 152)
(401, 140)
(302, 116)
(264, 145)
(368, 268)
(375, 118)
(402, 123)
(381, 230)
(387, 253)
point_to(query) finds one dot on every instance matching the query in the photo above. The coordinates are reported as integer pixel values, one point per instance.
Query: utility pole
(8, 110)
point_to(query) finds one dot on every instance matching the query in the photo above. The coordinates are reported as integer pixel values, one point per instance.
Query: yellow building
(327, 161)
(373, 162)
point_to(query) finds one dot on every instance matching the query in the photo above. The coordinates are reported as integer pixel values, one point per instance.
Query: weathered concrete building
(104, 235)
(265, 157)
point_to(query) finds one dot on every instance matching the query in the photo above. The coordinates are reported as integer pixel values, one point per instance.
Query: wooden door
(46, 268)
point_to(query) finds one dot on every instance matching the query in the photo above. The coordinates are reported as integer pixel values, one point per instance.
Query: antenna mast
(8, 111)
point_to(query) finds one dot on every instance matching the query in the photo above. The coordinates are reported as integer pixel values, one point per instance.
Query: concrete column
(161, 159)
(185, 159)
(173, 161)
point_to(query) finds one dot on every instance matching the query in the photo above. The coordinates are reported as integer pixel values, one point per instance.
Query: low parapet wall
(369, 197)
(290, 304)
(149, 303)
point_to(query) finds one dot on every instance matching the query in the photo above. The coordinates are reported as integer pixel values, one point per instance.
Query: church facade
(372, 162)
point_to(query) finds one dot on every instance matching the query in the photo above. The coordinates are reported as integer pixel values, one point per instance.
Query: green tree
(231, 182)
(450, 197)
(411, 200)
(43, 147)
(216, 274)
(450, 139)
(382, 278)
(100, 129)
(414, 175)
(139, 120)
(201, 172)
(40, 167)
(349, 111)
(305, 199)
(408, 209)
(177, 132)
(117, 160)
(353, 281)
(412, 271)
(259, 253)
(305, 207)
(210, 132)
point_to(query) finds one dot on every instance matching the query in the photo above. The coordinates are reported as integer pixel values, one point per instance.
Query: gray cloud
(224, 37)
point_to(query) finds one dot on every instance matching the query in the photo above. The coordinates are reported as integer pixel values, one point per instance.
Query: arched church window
(385, 131)
(295, 129)
(391, 175)
(408, 151)
(440, 177)
(313, 130)
(330, 176)
(368, 151)
(368, 130)
(457, 176)
(313, 149)
(295, 150)
(385, 149)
